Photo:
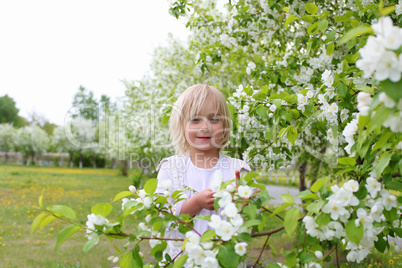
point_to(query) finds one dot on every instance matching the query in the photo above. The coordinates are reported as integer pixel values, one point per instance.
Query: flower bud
(116, 259)
(110, 258)
(132, 189)
(148, 218)
(318, 254)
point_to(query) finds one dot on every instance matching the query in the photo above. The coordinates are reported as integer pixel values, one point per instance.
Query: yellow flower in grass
(391, 262)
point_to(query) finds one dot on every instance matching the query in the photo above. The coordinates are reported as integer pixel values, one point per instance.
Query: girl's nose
(205, 124)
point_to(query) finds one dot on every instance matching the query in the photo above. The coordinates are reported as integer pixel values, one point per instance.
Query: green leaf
(165, 119)
(41, 201)
(265, 89)
(292, 134)
(355, 32)
(227, 257)
(363, 121)
(207, 235)
(251, 211)
(250, 175)
(392, 89)
(380, 244)
(65, 234)
(322, 219)
(122, 194)
(311, 8)
(158, 249)
(384, 138)
(150, 186)
(379, 118)
(37, 221)
(291, 220)
(61, 210)
(306, 257)
(383, 162)
(323, 25)
(137, 258)
(387, 10)
(180, 261)
(318, 184)
(330, 49)
(102, 209)
(290, 19)
(349, 161)
(315, 207)
(308, 18)
(245, 237)
(331, 35)
(251, 223)
(355, 234)
(48, 220)
(281, 208)
(127, 261)
(287, 198)
(92, 242)
(291, 259)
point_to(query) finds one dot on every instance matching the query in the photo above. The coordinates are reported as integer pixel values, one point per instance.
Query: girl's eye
(214, 119)
(195, 119)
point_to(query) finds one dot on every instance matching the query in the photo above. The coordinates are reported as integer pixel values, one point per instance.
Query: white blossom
(245, 191)
(328, 78)
(230, 210)
(240, 248)
(225, 230)
(217, 181)
(388, 102)
(132, 189)
(373, 186)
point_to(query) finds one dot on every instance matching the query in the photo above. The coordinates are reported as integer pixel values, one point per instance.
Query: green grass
(20, 188)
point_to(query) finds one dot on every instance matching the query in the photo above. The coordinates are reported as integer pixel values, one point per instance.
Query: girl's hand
(205, 199)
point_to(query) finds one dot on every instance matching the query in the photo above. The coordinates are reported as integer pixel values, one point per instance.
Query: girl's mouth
(204, 138)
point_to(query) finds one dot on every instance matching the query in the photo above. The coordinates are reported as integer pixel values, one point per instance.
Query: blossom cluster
(378, 56)
(343, 206)
(226, 225)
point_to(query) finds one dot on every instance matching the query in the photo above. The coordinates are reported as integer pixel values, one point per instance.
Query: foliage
(9, 112)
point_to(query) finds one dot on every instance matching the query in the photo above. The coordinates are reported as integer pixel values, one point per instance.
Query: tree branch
(262, 250)
(272, 213)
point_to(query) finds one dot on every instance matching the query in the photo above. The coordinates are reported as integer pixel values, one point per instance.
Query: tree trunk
(124, 166)
(81, 160)
(302, 178)
(114, 163)
(5, 158)
(94, 162)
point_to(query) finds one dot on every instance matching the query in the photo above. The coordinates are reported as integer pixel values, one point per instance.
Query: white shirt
(198, 179)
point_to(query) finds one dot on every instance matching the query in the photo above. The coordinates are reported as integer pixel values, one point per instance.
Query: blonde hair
(188, 105)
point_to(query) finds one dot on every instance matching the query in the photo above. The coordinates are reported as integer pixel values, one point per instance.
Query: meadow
(20, 188)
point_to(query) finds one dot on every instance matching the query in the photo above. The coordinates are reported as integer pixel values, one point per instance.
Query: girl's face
(204, 131)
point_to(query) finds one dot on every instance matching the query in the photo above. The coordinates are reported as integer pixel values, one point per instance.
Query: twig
(262, 250)
(272, 213)
(273, 231)
(173, 259)
(337, 259)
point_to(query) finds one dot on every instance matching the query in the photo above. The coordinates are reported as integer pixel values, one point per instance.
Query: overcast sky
(48, 48)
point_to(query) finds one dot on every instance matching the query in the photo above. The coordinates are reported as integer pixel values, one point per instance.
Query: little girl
(200, 127)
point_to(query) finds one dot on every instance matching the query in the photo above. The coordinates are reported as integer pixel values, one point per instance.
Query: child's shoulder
(169, 162)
